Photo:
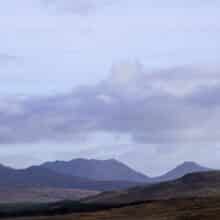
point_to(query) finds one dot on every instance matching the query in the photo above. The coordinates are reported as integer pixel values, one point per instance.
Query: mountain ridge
(114, 170)
(105, 170)
(113, 175)
(37, 176)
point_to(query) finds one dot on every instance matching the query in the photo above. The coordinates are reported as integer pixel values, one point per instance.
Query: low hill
(191, 185)
(107, 170)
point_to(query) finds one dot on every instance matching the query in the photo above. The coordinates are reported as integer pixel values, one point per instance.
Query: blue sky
(110, 56)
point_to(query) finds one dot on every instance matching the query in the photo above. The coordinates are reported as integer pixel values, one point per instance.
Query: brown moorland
(41, 194)
(173, 209)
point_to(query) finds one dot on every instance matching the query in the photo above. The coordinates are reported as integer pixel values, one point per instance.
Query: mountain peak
(181, 170)
(189, 163)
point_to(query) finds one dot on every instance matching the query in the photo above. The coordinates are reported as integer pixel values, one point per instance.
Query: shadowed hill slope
(191, 185)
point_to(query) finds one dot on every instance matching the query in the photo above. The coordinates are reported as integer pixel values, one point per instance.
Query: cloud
(82, 7)
(6, 58)
(129, 102)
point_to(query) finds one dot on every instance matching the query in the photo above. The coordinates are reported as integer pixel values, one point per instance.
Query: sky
(138, 81)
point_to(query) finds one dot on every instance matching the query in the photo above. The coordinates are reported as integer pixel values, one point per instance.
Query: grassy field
(174, 209)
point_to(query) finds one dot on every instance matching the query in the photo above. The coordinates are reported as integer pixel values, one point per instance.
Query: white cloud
(125, 73)
(132, 107)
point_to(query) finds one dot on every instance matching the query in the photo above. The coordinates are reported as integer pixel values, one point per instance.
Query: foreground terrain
(173, 209)
(195, 196)
(194, 185)
(41, 195)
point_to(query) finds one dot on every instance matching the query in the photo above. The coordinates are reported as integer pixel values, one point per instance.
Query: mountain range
(113, 170)
(37, 176)
(80, 176)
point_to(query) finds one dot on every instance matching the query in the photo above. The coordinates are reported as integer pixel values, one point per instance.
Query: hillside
(191, 185)
(107, 170)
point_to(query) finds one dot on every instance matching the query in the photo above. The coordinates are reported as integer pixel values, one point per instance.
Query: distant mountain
(180, 171)
(113, 170)
(204, 184)
(42, 177)
(84, 174)
(104, 170)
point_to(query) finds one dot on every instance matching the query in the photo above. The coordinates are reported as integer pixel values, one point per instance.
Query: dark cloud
(206, 96)
(145, 113)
